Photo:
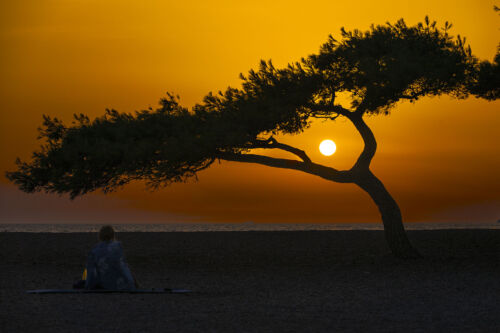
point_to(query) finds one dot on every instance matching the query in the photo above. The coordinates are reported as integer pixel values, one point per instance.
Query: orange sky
(439, 157)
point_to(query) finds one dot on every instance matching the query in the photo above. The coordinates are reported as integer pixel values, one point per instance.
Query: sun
(327, 147)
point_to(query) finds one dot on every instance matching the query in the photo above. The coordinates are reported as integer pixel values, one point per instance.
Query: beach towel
(106, 291)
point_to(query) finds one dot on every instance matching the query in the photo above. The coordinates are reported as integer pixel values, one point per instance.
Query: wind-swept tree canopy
(376, 68)
(487, 83)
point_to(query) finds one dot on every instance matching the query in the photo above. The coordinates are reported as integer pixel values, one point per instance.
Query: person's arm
(91, 281)
(125, 269)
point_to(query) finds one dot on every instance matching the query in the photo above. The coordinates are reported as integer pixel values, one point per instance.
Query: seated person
(106, 266)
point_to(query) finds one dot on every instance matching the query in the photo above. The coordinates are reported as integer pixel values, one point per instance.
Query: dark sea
(246, 226)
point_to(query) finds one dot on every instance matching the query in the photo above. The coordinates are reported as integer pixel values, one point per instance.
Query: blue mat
(104, 291)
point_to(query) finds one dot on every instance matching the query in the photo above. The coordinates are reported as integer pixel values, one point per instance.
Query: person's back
(106, 266)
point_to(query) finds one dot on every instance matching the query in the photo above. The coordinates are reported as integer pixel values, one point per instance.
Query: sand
(324, 281)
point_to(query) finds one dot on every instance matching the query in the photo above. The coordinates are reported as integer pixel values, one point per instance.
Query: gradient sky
(440, 157)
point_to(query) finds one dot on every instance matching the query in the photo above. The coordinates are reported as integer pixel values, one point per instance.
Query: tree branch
(370, 147)
(311, 168)
(273, 144)
(322, 110)
(356, 117)
(320, 116)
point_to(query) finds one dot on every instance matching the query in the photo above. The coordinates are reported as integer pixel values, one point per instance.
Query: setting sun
(327, 147)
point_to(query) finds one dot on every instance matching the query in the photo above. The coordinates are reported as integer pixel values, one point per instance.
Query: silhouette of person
(106, 265)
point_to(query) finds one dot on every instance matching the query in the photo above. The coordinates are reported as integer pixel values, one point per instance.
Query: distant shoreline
(241, 227)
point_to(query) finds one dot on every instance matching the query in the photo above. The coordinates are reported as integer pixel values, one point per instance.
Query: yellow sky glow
(439, 157)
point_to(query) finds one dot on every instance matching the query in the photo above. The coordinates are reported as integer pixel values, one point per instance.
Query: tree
(487, 83)
(376, 68)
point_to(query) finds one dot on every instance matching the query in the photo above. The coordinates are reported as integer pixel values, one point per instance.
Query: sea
(245, 226)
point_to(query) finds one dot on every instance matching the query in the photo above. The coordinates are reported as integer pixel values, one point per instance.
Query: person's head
(106, 234)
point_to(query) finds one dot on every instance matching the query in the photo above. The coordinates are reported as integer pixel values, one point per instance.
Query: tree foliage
(390, 62)
(376, 68)
(487, 82)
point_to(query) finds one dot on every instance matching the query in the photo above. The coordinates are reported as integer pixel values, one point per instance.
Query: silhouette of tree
(376, 68)
(487, 84)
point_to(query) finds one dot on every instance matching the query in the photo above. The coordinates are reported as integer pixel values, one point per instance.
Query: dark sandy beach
(324, 281)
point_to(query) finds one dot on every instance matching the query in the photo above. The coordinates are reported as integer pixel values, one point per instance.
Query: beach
(258, 281)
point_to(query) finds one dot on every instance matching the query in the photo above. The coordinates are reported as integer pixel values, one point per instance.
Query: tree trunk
(395, 233)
